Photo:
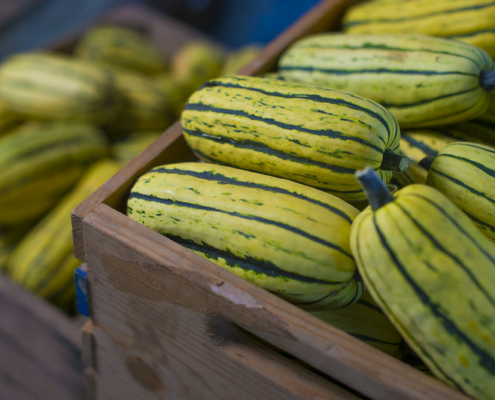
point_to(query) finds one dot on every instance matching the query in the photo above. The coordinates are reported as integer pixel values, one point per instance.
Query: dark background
(30, 24)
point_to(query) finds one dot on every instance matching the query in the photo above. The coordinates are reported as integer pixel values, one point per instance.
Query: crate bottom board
(40, 348)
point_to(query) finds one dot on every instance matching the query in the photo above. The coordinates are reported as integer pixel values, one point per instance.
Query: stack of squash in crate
(290, 158)
(67, 124)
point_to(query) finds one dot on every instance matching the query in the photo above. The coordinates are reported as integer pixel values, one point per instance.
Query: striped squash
(196, 62)
(422, 145)
(481, 129)
(288, 238)
(238, 58)
(121, 47)
(143, 105)
(8, 119)
(128, 147)
(418, 145)
(432, 272)
(43, 262)
(423, 81)
(315, 136)
(175, 90)
(465, 173)
(365, 321)
(408, 356)
(53, 86)
(8, 240)
(40, 162)
(469, 21)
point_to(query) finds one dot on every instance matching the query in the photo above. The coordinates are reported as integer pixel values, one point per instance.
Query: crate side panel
(160, 270)
(40, 348)
(170, 340)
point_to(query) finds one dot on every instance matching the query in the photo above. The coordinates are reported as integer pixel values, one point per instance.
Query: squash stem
(375, 189)
(394, 162)
(487, 80)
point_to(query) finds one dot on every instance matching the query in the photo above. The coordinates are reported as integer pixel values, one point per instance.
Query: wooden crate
(40, 348)
(167, 323)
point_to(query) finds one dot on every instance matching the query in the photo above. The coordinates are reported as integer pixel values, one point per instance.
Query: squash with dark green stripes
(40, 162)
(9, 237)
(315, 136)
(419, 144)
(465, 173)
(481, 129)
(129, 146)
(122, 47)
(196, 62)
(365, 321)
(240, 57)
(43, 262)
(51, 86)
(291, 239)
(432, 272)
(469, 21)
(143, 105)
(8, 119)
(423, 81)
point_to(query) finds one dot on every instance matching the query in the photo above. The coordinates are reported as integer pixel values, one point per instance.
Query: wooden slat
(89, 359)
(149, 342)
(40, 348)
(169, 147)
(143, 279)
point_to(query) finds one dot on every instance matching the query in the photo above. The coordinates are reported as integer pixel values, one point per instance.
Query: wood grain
(146, 286)
(149, 340)
(40, 348)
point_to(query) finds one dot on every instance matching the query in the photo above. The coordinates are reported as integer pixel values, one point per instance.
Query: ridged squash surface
(432, 272)
(40, 162)
(365, 321)
(129, 146)
(465, 173)
(143, 105)
(43, 262)
(288, 238)
(422, 80)
(481, 129)
(311, 135)
(419, 144)
(121, 47)
(51, 86)
(469, 21)
(8, 119)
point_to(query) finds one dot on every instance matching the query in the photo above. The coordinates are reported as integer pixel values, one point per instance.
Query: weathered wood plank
(40, 348)
(151, 293)
(158, 344)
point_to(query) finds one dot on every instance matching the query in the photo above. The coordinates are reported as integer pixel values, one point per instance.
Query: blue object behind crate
(239, 21)
(233, 22)
(49, 20)
(81, 283)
